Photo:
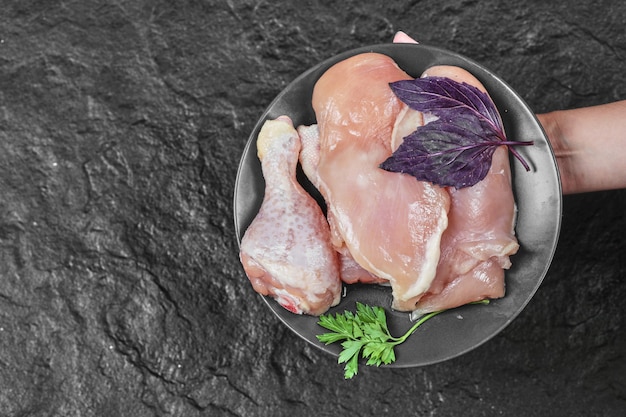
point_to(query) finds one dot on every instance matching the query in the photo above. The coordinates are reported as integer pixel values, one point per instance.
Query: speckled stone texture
(121, 127)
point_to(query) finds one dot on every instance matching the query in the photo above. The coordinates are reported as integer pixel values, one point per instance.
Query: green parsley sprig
(365, 332)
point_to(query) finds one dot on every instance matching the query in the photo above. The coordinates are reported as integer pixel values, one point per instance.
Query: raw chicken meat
(475, 248)
(310, 152)
(286, 251)
(350, 271)
(390, 223)
(480, 237)
(437, 247)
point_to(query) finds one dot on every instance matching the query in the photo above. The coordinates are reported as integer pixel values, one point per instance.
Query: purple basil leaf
(456, 149)
(443, 96)
(448, 153)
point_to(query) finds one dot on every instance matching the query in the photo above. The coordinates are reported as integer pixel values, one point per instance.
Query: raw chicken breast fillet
(390, 223)
(286, 251)
(480, 238)
(475, 248)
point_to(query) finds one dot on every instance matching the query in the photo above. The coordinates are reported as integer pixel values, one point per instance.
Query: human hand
(401, 37)
(590, 146)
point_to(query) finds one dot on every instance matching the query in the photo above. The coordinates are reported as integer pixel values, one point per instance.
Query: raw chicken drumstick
(286, 251)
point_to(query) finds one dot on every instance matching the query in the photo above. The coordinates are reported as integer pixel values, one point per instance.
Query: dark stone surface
(121, 127)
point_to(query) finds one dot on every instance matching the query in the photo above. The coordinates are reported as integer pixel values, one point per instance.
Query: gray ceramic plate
(538, 195)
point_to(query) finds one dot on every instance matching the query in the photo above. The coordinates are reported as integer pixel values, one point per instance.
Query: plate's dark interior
(538, 196)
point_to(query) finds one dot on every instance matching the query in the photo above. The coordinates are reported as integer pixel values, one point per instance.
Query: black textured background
(121, 127)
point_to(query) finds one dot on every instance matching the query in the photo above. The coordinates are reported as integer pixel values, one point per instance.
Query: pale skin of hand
(590, 146)
(589, 143)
